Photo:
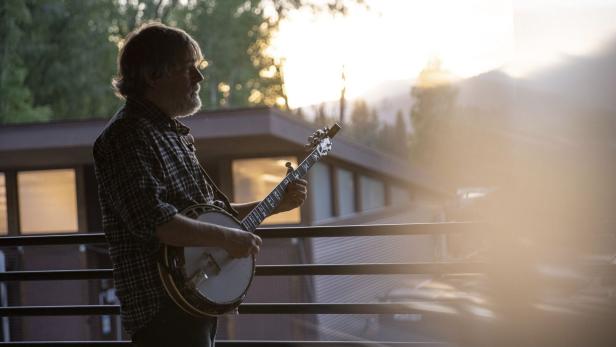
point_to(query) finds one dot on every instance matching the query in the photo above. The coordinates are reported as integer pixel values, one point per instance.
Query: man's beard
(187, 106)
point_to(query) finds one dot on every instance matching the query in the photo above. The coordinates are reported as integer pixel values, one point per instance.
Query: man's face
(180, 88)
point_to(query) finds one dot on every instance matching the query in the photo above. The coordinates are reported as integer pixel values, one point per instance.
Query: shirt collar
(157, 115)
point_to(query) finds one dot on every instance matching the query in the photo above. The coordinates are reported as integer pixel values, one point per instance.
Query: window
(346, 192)
(320, 189)
(4, 227)
(372, 193)
(254, 179)
(47, 201)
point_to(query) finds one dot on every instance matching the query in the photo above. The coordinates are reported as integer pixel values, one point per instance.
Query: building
(47, 185)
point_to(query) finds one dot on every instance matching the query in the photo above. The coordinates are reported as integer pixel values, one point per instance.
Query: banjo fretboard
(269, 204)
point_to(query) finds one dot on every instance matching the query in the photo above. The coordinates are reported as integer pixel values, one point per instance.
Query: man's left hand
(294, 196)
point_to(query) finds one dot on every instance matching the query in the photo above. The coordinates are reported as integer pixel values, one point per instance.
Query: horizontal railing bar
(68, 310)
(402, 269)
(67, 343)
(330, 343)
(254, 308)
(370, 230)
(240, 343)
(301, 270)
(287, 232)
(51, 240)
(329, 308)
(271, 270)
(56, 275)
(369, 269)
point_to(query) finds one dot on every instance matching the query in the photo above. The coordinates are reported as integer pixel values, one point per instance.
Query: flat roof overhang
(236, 133)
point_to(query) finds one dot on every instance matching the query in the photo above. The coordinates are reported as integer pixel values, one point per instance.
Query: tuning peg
(334, 130)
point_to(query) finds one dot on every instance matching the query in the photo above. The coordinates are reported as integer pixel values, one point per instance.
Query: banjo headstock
(321, 139)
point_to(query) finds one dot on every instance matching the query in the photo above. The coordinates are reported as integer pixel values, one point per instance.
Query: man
(147, 171)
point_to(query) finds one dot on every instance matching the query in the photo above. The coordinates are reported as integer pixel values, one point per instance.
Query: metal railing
(263, 270)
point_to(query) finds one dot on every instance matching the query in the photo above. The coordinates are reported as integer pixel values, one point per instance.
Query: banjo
(206, 281)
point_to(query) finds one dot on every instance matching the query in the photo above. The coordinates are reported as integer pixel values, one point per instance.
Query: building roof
(237, 133)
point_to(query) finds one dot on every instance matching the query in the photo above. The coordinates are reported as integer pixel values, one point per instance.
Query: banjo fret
(269, 204)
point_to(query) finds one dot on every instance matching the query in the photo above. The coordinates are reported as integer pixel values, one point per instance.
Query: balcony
(495, 301)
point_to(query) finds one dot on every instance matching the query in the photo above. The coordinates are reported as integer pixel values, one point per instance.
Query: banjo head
(206, 280)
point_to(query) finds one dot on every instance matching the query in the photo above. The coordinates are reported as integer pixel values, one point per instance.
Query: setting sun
(394, 40)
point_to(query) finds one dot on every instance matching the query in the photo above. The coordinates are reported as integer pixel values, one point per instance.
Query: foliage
(240, 73)
(463, 146)
(58, 56)
(70, 58)
(16, 98)
(366, 127)
(434, 99)
(364, 123)
(394, 138)
(322, 118)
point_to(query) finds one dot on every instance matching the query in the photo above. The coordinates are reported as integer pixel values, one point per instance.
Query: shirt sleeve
(135, 184)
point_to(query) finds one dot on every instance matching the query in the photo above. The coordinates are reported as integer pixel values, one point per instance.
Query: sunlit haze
(393, 40)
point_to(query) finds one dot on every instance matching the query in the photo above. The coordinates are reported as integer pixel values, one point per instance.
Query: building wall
(51, 293)
(325, 202)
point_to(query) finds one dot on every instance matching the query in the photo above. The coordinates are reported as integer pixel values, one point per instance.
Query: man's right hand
(239, 243)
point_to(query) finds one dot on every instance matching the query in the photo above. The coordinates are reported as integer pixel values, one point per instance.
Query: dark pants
(173, 327)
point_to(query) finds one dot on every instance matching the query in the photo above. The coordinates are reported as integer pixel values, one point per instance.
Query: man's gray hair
(150, 51)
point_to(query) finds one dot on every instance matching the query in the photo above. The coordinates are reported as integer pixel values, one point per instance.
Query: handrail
(261, 270)
(250, 308)
(392, 307)
(308, 231)
(299, 270)
(243, 343)
(272, 270)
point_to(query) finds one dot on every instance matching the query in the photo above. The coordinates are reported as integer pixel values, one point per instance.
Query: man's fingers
(299, 189)
(255, 250)
(301, 182)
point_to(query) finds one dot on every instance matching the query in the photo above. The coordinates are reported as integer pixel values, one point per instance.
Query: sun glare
(394, 40)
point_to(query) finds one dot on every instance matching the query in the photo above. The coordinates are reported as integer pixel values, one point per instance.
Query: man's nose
(196, 75)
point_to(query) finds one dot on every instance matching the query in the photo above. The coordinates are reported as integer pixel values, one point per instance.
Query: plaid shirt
(147, 171)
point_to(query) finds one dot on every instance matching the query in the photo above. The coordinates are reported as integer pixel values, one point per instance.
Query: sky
(394, 39)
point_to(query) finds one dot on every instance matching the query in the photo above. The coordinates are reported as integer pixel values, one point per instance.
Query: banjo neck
(205, 281)
(269, 204)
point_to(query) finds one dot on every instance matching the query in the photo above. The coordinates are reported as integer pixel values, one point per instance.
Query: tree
(70, 58)
(321, 117)
(365, 124)
(434, 98)
(394, 138)
(15, 97)
(58, 56)
(239, 72)
(235, 36)
(460, 145)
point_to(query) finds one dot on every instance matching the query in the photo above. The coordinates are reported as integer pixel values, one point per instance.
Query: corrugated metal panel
(363, 288)
(369, 288)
